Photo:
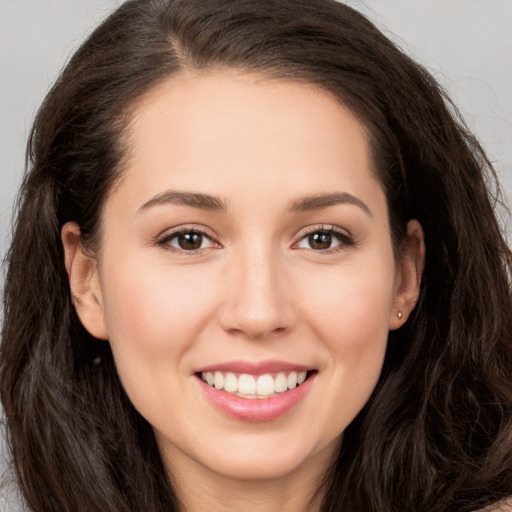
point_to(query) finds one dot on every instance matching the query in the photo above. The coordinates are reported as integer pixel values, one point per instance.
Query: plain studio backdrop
(466, 44)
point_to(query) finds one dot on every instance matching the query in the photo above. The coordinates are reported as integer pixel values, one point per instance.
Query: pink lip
(255, 368)
(265, 409)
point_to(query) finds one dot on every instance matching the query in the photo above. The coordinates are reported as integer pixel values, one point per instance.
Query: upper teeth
(254, 386)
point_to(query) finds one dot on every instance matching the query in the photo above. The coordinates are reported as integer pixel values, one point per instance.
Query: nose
(259, 299)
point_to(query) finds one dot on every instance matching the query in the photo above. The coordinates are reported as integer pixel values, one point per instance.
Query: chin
(276, 461)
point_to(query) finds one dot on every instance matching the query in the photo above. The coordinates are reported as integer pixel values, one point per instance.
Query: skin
(255, 290)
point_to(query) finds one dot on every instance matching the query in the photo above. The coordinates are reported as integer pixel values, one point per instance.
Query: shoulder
(502, 506)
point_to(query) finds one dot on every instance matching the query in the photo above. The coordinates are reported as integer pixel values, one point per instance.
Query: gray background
(467, 44)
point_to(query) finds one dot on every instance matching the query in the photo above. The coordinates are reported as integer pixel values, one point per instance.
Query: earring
(400, 315)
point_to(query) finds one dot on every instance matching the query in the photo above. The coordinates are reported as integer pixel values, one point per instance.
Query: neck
(201, 490)
(269, 496)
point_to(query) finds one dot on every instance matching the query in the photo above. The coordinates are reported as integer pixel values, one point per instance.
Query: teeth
(292, 380)
(281, 383)
(246, 384)
(230, 383)
(254, 387)
(265, 385)
(218, 381)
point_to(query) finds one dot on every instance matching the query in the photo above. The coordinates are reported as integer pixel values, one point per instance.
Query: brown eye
(189, 240)
(325, 240)
(320, 241)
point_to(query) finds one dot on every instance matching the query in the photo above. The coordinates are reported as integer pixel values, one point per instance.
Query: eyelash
(164, 241)
(344, 239)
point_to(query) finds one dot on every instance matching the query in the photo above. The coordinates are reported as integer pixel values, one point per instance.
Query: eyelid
(344, 237)
(164, 237)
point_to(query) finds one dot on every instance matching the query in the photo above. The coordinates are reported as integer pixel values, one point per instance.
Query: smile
(250, 386)
(256, 391)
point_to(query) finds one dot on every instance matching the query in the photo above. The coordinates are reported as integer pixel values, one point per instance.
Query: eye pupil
(190, 241)
(320, 240)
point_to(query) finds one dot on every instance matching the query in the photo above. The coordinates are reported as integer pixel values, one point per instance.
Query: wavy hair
(436, 435)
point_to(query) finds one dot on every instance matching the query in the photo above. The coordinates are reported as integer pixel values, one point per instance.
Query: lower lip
(257, 409)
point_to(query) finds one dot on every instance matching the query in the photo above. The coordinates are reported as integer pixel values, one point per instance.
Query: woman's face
(247, 244)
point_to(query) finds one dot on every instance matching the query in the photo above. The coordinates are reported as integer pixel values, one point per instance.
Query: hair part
(435, 436)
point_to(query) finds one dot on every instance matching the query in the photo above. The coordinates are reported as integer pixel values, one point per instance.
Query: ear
(84, 282)
(409, 273)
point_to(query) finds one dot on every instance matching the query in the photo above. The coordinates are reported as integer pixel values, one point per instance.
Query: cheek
(351, 317)
(352, 307)
(153, 319)
(349, 311)
(154, 306)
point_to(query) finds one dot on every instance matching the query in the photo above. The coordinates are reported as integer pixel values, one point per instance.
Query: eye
(324, 239)
(188, 240)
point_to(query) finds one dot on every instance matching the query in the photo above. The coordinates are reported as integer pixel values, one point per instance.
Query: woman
(255, 267)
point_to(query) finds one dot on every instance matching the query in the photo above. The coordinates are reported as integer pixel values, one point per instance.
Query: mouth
(256, 391)
(255, 386)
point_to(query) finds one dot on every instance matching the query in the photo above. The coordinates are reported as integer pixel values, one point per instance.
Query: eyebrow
(319, 201)
(213, 203)
(195, 200)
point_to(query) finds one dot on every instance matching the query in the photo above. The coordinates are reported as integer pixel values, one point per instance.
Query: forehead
(217, 132)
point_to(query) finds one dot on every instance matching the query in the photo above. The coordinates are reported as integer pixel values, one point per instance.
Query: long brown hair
(436, 434)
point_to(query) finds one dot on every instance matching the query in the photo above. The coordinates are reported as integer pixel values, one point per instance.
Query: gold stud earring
(400, 315)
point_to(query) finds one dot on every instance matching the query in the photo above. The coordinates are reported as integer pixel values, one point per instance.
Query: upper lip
(255, 367)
